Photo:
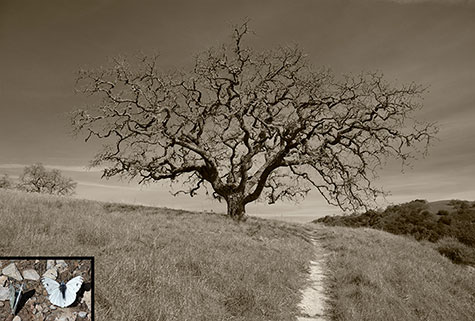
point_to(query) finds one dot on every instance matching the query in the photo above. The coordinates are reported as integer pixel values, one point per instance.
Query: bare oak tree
(36, 178)
(251, 124)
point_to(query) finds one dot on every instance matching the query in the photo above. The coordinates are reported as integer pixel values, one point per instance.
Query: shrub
(456, 251)
(443, 212)
(5, 181)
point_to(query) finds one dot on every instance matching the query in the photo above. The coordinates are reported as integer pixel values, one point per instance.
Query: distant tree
(6, 182)
(459, 204)
(36, 178)
(251, 124)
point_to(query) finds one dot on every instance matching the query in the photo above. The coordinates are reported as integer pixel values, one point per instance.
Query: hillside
(161, 264)
(374, 275)
(448, 224)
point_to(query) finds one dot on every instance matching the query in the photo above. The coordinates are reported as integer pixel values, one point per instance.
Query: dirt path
(312, 306)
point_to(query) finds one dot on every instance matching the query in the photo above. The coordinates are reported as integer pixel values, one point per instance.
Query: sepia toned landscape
(237, 161)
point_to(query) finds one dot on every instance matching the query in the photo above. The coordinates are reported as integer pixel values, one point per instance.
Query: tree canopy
(36, 178)
(246, 124)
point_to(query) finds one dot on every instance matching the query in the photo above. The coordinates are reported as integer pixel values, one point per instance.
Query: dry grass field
(374, 275)
(159, 264)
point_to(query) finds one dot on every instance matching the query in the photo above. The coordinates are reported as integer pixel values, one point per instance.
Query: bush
(456, 251)
(5, 181)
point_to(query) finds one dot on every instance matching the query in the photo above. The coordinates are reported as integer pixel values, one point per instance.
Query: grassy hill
(161, 264)
(448, 224)
(374, 275)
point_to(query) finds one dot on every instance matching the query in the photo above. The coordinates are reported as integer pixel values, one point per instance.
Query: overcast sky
(44, 43)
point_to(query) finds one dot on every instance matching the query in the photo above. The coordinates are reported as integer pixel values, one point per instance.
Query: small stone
(52, 307)
(51, 273)
(82, 314)
(4, 293)
(66, 316)
(49, 264)
(37, 261)
(1, 304)
(3, 280)
(12, 272)
(16, 318)
(87, 299)
(61, 264)
(39, 308)
(31, 274)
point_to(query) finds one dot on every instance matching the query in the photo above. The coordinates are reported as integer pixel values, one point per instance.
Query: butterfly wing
(17, 299)
(56, 298)
(54, 294)
(74, 284)
(12, 297)
(50, 285)
(72, 287)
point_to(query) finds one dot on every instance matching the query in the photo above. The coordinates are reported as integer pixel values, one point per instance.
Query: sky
(43, 44)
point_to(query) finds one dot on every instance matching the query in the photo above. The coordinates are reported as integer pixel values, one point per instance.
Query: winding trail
(313, 302)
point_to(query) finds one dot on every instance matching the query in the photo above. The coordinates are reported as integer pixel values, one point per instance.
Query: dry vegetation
(159, 264)
(374, 275)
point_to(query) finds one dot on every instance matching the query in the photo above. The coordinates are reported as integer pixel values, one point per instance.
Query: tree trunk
(236, 206)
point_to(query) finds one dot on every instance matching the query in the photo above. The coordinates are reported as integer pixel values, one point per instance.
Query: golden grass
(374, 275)
(159, 264)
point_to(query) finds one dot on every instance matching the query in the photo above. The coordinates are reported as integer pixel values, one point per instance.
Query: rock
(52, 307)
(61, 264)
(4, 293)
(31, 274)
(12, 272)
(51, 273)
(17, 318)
(1, 304)
(49, 264)
(82, 314)
(66, 316)
(3, 280)
(39, 308)
(87, 299)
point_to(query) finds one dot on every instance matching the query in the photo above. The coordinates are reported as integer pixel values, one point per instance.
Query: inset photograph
(46, 288)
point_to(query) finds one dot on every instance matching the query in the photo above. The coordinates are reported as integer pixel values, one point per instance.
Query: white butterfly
(62, 294)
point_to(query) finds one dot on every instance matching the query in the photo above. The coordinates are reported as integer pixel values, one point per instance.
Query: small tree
(36, 178)
(251, 124)
(6, 182)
